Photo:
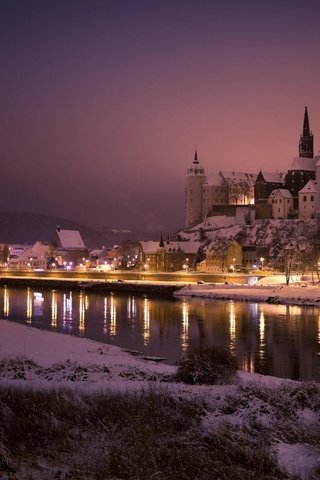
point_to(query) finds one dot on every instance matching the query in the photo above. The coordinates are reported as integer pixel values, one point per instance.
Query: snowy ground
(282, 413)
(266, 290)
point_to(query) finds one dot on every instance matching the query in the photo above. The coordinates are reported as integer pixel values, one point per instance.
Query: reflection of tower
(195, 180)
(262, 327)
(29, 305)
(6, 305)
(38, 303)
(306, 139)
(54, 310)
(232, 326)
(146, 322)
(82, 311)
(113, 316)
(105, 315)
(67, 311)
(131, 309)
(185, 327)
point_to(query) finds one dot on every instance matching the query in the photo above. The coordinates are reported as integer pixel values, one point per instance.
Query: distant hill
(115, 236)
(27, 228)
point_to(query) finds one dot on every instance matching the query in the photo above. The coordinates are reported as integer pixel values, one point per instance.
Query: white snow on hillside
(276, 235)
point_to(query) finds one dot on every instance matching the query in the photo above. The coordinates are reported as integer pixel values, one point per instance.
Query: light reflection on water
(271, 339)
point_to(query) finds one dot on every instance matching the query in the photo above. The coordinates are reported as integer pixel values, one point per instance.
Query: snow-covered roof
(219, 221)
(38, 251)
(282, 191)
(310, 187)
(96, 252)
(272, 177)
(303, 163)
(237, 177)
(186, 247)
(70, 238)
(214, 179)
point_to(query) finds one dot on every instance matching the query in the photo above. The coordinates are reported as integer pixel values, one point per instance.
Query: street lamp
(187, 264)
(289, 252)
(261, 260)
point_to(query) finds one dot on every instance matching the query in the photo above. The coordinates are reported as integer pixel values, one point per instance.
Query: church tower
(195, 180)
(306, 139)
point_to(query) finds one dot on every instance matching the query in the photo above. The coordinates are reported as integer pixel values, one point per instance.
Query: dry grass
(64, 435)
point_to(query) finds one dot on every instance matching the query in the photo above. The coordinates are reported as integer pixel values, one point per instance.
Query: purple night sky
(103, 102)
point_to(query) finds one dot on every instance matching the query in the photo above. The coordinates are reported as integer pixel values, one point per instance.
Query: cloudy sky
(102, 102)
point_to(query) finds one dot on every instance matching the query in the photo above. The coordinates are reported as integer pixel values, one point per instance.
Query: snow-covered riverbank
(284, 413)
(302, 293)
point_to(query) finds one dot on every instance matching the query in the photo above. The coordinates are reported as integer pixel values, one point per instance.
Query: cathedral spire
(195, 160)
(306, 128)
(161, 243)
(306, 139)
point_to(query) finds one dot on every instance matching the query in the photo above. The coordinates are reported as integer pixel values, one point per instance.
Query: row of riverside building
(291, 194)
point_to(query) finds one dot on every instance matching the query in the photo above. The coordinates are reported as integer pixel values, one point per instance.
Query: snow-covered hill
(276, 235)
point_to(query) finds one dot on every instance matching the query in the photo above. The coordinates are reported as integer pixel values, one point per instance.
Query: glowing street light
(261, 260)
(185, 266)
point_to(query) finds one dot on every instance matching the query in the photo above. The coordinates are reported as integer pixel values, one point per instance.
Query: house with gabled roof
(167, 256)
(71, 248)
(35, 257)
(70, 239)
(223, 257)
(265, 183)
(240, 186)
(281, 202)
(307, 200)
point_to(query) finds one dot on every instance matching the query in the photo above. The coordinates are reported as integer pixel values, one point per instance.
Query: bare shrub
(210, 366)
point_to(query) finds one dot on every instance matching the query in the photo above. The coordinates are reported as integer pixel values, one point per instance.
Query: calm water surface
(270, 339)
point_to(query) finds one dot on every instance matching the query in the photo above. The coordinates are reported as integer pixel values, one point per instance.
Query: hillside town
(235, 222)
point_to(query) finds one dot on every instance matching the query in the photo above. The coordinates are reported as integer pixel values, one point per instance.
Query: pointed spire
(196, 168)
(161, 243)
(306, 139)
(306, 127)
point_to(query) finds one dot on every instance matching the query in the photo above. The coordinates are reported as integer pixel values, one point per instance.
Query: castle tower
(317, 158)
(306, 139)
(193, 195)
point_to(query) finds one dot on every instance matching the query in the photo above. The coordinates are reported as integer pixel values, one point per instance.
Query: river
(277, 340)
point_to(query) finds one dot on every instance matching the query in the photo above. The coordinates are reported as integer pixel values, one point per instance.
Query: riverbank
(302, 293)
(75, 408)
(270, 289)
(138, 288)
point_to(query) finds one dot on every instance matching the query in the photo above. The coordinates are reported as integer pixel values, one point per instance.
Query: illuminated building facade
(167, 256)
(211, 195)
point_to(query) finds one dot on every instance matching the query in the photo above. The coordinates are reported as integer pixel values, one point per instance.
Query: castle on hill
(292, 194)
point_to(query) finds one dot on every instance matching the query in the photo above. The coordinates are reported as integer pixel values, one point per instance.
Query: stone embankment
(119, 286)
